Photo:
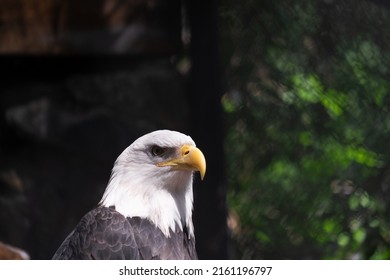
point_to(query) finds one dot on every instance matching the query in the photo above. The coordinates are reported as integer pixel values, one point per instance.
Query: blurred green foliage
(308, 136)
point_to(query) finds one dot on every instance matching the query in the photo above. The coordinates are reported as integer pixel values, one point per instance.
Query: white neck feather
(167, 202)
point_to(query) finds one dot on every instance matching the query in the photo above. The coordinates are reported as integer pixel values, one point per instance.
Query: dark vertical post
(206, 126)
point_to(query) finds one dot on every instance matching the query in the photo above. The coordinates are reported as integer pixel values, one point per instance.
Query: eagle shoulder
(102, 233)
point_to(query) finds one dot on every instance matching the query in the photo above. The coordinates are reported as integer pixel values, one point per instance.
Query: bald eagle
(146, 209)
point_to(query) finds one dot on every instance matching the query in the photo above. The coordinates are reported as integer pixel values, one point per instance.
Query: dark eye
(157, 151)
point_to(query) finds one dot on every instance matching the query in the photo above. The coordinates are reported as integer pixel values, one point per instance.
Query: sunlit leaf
(359, 235)
(343, 239)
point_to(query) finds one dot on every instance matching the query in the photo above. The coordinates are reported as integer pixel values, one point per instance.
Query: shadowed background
(80, 82)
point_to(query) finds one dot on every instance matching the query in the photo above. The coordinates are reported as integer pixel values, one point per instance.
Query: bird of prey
(146, 209)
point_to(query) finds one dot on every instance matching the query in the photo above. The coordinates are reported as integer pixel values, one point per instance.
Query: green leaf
(343, 239)
(359, 235)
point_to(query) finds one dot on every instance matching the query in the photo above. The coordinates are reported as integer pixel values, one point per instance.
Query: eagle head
(152, 179)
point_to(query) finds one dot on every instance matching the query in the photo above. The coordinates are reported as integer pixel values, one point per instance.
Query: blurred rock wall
(89, 26)
(65, 118)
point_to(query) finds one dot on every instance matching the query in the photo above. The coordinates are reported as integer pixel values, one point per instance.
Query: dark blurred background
(289, 100)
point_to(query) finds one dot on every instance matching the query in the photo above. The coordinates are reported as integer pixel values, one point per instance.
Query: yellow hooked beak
(190, 158)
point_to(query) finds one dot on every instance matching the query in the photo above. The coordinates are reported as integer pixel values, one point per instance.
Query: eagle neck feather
(169, 207)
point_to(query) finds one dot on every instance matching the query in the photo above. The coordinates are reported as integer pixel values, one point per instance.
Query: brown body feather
(105, 234)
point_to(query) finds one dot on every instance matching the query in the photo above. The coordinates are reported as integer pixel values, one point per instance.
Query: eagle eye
(158, 151)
